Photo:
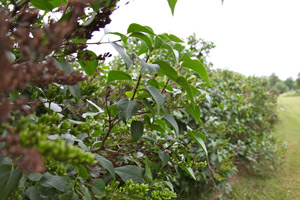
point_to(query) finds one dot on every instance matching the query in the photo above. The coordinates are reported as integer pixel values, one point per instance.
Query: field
(285, 182)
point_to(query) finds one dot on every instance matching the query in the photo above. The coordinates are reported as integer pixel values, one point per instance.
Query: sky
(253, 37)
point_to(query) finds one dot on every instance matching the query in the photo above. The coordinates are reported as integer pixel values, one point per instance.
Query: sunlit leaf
(139, 28)
(174, 38)
(172, 4)
(197, 67)
(88, 62)
(144, 38)
(42, 5)
(124, 38)
(53, 106)
(100, 110)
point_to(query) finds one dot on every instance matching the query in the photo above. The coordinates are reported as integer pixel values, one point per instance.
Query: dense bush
(148, 125)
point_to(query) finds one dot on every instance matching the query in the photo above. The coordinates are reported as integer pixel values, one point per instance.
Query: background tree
(273, 79)
(298, 81)
(289, 82)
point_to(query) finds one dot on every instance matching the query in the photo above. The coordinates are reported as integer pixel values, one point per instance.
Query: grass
(285, 183)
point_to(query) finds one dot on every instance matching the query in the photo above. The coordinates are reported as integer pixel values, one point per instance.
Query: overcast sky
(253, 37)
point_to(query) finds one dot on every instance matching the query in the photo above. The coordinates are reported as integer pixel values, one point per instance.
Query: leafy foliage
(151, 124)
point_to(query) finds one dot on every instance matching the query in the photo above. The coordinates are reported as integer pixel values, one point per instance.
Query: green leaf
(129, 94)
(64, 65)
(174, 38)
(99, 188)
(90, 20)
(142, 49)
(167, 70)
(126, 109)
(199, 138)
(88, 61)
(32, 193)
(157, 96)
(85, 192)
(42, 5)
(144, 38)
(189, 171)
(139, 28)
(83, 172)
(148, 172)
(172, 121)
(169, 184)
(137, 130)
(98, 132)
(197, 67)
(153, 83)
(164, 157)
(149, 67)
(75, 90)
(149, 106)
(117, 75)
(9, 180)
(106, 164)
(61, 183)
(158, 42)
(124, 38)
(171, 51)
(57, 3)
(194, 112)
(130, 172)
(96, 5)
(178, 47)
(123, 54)
(186, 86)
(34, 176)
(172, 4)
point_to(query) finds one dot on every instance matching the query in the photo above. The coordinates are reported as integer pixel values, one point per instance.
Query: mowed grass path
(283, 184)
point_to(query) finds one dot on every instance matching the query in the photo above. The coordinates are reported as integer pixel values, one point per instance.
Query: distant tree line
(282, 86)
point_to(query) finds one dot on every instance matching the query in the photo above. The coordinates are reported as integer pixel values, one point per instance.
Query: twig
(18, 7)
(136, 87)
(163, 90)
(211, 176)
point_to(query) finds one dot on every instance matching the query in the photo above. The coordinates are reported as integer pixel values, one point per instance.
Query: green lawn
(285, 183)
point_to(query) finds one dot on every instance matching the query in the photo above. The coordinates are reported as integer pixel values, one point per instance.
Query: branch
(18, 7)
(136, 87)
(105, 137)
(163, 90)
